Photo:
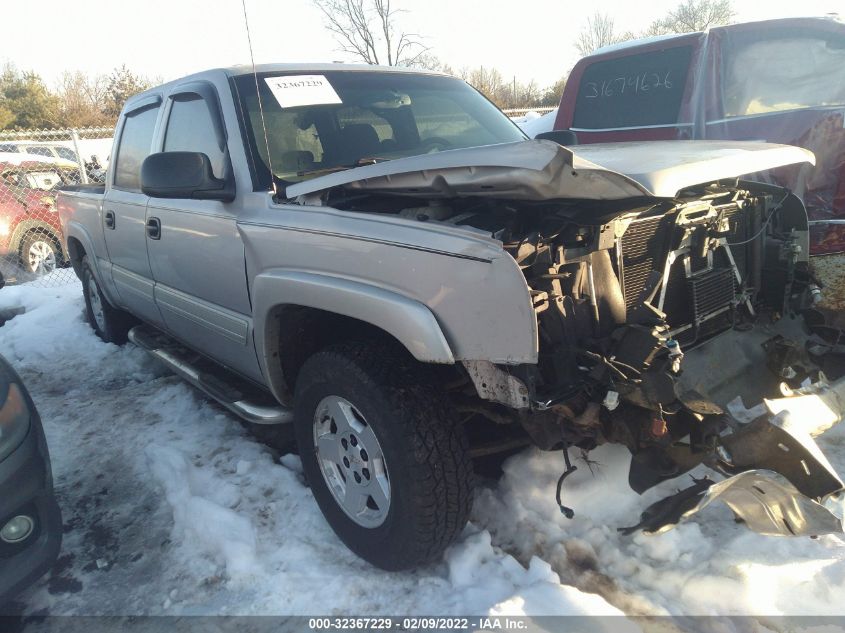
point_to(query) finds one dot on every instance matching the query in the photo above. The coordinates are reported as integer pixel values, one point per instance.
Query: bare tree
(82, 100)
(599, 31)
(428, 61)
(551, 95)
(693, 15)
(490, 82)
(504, 93)
(367, 30)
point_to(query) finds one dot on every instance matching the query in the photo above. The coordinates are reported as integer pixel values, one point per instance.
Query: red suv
(781, 81)
(30, 233)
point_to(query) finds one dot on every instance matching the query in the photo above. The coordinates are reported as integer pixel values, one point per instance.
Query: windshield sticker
(302, 90)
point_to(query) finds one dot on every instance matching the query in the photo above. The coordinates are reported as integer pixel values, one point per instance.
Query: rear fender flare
(78, 232)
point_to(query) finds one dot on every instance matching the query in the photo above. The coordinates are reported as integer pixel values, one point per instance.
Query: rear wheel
(386, 460)
(109, 323)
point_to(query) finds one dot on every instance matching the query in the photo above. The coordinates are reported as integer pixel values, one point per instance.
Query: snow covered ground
(170, 507)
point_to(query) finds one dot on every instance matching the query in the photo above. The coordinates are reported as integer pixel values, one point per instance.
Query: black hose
(564, 510)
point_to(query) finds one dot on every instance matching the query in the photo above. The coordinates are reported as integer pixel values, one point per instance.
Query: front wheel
(385, 458)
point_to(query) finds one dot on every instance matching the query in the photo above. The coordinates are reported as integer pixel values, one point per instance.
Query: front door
(197, 260)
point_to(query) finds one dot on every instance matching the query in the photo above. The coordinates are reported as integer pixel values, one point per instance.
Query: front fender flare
(408, 321)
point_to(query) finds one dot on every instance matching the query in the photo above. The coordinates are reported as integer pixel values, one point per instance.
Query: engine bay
(624, 292)
(622, 289)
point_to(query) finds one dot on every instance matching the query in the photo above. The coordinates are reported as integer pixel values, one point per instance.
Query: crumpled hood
(544, 170)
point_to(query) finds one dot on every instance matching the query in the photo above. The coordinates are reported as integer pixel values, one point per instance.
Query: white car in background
(65, 157)
(67, 166)
(41, 148)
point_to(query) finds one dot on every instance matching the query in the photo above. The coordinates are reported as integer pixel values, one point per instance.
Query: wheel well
(45, 231)
(76, 252)
(304, 331)
(297, 332)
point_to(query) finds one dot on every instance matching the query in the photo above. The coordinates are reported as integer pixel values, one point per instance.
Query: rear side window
(135, 142)
(191, 129)
(39, 151)
(786, 71)
(633, 91)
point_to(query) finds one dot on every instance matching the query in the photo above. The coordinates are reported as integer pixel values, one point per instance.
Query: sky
(528, 39)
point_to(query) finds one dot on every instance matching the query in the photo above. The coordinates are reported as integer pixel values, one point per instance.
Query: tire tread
(437, 450)
(118, 322)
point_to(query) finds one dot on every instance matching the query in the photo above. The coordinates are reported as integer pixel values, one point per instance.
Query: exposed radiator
(711, 292)
(699, 305)
(643, 240)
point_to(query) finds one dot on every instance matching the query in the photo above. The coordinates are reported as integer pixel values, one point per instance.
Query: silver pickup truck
(380, 260)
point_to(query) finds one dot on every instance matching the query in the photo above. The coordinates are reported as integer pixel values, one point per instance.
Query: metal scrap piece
(764, 500)
(496, 385)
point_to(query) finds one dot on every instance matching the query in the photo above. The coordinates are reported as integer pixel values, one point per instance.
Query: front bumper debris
(778, 480)
(764, 500)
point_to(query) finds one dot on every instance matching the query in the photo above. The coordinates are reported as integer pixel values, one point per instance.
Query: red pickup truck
(30, 232)
(781, 81)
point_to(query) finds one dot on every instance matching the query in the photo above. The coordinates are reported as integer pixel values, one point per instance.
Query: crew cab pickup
(381, 259)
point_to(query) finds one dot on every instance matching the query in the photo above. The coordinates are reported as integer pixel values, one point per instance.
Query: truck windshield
(341, 119)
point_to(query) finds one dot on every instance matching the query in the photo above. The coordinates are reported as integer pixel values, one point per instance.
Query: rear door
(198, 258)
(642, 93)
(124, 210)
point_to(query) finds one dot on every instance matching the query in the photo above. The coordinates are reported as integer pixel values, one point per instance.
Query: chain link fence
(34, 165)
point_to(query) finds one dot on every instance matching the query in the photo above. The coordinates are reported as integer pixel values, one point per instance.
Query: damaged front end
(655, 324)
(777, 479)
(667, 292)
(654, 330)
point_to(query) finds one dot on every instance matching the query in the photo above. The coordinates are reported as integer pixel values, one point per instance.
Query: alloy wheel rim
(351, 461)
(41, 257)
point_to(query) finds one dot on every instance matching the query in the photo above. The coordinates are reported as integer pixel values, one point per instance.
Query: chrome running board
(246, 400)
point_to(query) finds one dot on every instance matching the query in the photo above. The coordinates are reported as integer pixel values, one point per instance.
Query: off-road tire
(115, 323)
(425, 451)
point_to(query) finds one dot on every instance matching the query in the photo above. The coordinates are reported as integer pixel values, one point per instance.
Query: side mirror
(183, 175)
(561, 137)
